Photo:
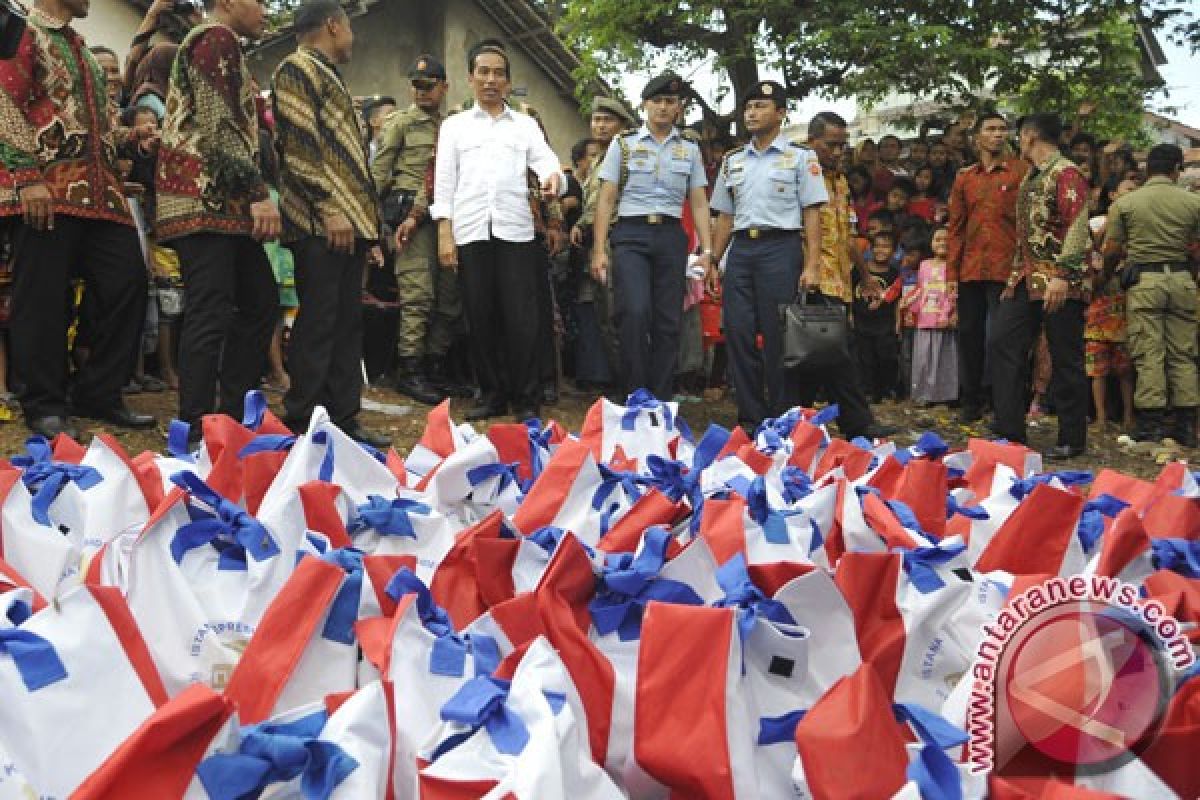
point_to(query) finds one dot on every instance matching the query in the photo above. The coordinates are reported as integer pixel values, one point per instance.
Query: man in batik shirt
(1047, 287)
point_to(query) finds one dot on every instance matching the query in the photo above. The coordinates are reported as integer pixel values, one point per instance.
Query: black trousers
(547, 368)
(327, 337)
(878, 357)
(500, 283)
(977, 304)
(648, 264)
(1014, 330)
(760, 275)
(109, 258)
(842, 386)
(231, 305)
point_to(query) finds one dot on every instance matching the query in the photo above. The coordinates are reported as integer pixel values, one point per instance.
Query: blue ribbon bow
(610, 480)
(274, 752)
(343, 612)
(709, 447)
(1091, 520)
(629, 582)
(46, 478)
(772, 522)
(254, 409)
(920, 563)
(506, 473)
(797, 484)
(931, 445)
(177, 440)
(268, 443)
(449, 653)
(388, 517)
(826, 415)
(741, 593)
(228, 528)
(482, 703)
(934, 773)
(539, 446)
(970, 512)
(1177, 555)
(641, 400)
(1021, 488)
(34, 657)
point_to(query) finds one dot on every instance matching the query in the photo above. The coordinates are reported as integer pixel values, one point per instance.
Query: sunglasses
(424, 86)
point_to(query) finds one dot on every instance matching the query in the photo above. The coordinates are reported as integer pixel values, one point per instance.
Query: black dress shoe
(51, 426)
(1064, 452)
(120, 415)
(878, 431)
(968, 414)
(486, 410)
(358, 433)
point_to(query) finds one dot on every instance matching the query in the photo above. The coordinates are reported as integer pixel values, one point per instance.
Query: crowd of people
(977, 268)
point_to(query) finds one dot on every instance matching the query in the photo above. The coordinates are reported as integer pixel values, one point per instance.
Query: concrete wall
(387, 40)
(110, 23)
(466, 24)
(389, 37)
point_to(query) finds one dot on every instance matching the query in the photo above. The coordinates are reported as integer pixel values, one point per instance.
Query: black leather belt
(1163, 266)
(652, 219)
(764, 233)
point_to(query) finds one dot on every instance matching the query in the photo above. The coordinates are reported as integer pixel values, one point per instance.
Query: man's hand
(339, 233)
(1009, 292)
(576, 236)
(555, 241)
(404, 234)
(600, 266)
(447, 253)
(712, 280)
(375, 256)
(1055, 295)
(550, 187)
(267, 223)
(810, 278)
(37, 203)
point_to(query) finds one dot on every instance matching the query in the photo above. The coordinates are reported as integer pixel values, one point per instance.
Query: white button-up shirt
(480, 178)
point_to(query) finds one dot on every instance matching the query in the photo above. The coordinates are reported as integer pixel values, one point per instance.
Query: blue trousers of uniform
(649, 262)
(760, 276)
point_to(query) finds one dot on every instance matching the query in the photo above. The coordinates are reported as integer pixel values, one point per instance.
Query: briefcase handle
(802, 298)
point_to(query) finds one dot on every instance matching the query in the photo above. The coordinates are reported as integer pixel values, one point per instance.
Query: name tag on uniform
(786, 162)
(679, 151)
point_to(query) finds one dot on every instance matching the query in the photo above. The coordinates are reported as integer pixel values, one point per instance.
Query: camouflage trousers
(430, 302)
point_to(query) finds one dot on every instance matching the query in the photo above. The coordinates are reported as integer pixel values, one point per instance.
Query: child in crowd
(898, 195)
(935, 346)
(944, 170)
(915, 243)
(918, 154)
(1105, 353)
(923, 203)
(862, 200)
(875, 322)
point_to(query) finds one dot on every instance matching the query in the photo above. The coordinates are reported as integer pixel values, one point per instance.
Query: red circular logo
(1086, 685)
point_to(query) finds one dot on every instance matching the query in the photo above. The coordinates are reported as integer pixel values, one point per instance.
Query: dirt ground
(1103, 449)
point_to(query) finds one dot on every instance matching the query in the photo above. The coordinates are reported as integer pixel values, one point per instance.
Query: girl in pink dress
(935, 346)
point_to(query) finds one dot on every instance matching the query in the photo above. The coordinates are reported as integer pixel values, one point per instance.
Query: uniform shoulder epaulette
(632, 134)
(690, 135)
(731, 152)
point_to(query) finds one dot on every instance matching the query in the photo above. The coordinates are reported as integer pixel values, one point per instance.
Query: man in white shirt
(485, 231)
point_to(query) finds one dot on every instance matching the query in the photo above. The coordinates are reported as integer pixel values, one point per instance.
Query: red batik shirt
(56, 125)
(983, 221)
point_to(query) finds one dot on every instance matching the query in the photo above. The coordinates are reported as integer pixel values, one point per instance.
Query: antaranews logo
(1080, 669)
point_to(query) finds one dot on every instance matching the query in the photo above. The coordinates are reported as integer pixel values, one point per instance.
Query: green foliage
(951, 52)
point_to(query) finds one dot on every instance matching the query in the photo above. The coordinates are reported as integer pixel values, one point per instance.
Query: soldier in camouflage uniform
(609, 118)
(430, 306)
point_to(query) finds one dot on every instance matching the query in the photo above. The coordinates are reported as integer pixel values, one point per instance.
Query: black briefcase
(815, 335)
(12, 27)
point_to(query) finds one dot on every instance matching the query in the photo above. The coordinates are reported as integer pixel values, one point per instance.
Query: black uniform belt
(1163, 266)
(764, 233)
(652, 219)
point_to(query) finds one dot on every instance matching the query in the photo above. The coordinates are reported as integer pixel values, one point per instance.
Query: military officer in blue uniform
(647, 175)
(768, 195)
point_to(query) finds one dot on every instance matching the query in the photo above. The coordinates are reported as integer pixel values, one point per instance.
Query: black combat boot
(441, 380)
(1184, 428)
(1149, 425)
(411, 381)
